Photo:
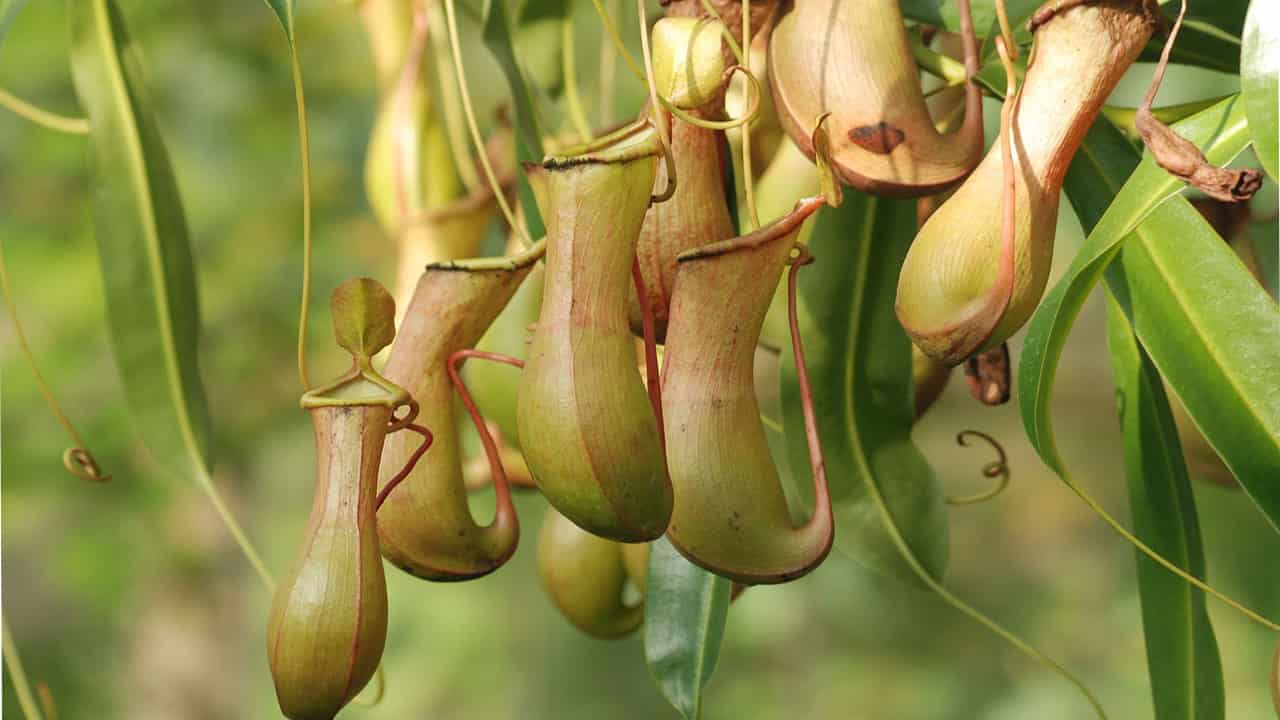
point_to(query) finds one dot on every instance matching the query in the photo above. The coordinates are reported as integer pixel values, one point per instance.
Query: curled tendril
(427, 439)
(400, 423)
(800, 256)
(753, 110)
(997, 469)
(80, 463)
(669, 159)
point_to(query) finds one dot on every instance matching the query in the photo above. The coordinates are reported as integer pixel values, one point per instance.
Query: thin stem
(748, 173)
(618, 42)
(650, 351)
(237, 533)
(449, 102)
(478, 141)
(937, 64)
(1160, 559)
(427, 439)
(818, 465)
(1158, 76)
(78, 460)
(304, 142)
(734, 47)
(661, 121)
(1006, 30)
(908, 555)
(608, 76)
(42, 117)
(569, 66)
(501, 486)
(749, 116)
(21, 687)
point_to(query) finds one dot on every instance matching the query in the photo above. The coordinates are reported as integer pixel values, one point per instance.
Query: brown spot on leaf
(880, 138)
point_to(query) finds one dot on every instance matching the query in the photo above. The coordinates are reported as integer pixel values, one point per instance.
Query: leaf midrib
(857, 292)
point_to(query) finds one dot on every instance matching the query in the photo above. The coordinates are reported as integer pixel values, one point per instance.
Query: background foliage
(129, 599)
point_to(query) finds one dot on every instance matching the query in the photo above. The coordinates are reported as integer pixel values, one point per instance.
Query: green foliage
(148, 273)
(1182, 651)
(685, 609)
(103, 570)
(1260, 67)
(1212, 344)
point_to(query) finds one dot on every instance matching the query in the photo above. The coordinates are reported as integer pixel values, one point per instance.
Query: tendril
(650, 351)
(669, 161)
(734, 47)
(997, 469)
(661, 122)
(427, 439)
(42, 117)
(618, 42)
(18, 674)
(822, 511)
(400, 422)
(80, 463)
(753, 106)
(449, 100)
(1006, 30)
(501, 486)
(77, 459)
(477, 141)
(748, 173)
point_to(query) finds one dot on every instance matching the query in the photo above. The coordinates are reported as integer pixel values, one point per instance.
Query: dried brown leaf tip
(1179, 156)
(989, 376)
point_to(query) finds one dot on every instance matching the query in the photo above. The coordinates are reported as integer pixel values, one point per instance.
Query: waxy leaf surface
(1182, 652)
(685, 608)
(143, 247)
(1210, 329)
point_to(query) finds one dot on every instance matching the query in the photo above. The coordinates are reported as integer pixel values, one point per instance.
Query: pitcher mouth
(780, 228)
(630, 142)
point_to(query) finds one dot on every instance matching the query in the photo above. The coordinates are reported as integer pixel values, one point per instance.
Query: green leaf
(363, 316)
(685, 608)
(284, 13)
(496, 31)
(1211, 330)
(1214, 333)
(1182, 652)
(1199, 45)
(860, 366)
(8, 12)
(147, 268)
(1260, 68)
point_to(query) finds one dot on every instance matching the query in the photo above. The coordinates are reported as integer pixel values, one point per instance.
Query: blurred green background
(128, 600)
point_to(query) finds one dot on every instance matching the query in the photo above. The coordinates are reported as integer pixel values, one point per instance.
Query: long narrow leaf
(1250, 438)
(143, 247)
(860, 365)
(1214, 333)
(496, 32)
(283, 10)
(1259, 73)
(1182, 652)
(1210, 328)
(685, 609)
